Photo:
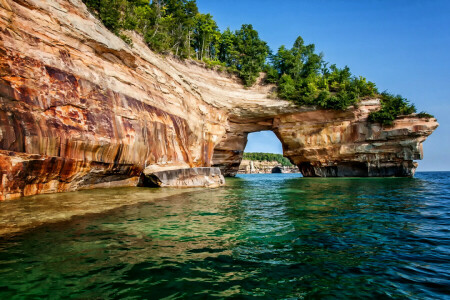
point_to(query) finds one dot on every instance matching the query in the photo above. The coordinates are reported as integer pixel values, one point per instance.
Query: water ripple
(263, 236)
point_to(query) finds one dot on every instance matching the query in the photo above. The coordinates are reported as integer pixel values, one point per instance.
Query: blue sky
(402, 46)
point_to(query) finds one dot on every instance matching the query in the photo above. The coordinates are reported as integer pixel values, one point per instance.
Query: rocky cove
(81, 109)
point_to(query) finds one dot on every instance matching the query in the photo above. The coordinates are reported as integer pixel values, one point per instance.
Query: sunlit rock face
(79, 108)
(327, 143)
(341, 144)
(190, 177)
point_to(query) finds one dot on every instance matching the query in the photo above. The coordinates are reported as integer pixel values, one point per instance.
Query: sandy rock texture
(79, 108)
(189, 177)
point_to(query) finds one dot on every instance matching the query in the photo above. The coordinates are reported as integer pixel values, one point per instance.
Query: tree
(252, 53)
(206, 36)
(227, 49)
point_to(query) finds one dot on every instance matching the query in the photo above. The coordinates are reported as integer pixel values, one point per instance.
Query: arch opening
(258, 137)
(263, 141)
(263, 154)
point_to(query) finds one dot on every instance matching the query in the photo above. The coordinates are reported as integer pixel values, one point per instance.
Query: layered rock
(79, 108)
(264, 167)
(330, 143)
(190, 177)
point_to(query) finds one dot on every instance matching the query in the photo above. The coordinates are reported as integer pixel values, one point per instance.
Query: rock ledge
(191, 177)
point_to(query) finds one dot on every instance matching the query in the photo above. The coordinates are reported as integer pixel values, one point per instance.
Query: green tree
(206, 36)
(252, 53)
(286, 87)
(227, 49)
(391, 107)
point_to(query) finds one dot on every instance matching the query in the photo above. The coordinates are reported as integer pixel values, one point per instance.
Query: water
(262, 236)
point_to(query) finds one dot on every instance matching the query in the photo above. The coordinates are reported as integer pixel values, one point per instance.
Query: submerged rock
(192, 177)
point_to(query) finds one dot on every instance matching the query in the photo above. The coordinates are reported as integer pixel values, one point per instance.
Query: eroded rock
(191, 177)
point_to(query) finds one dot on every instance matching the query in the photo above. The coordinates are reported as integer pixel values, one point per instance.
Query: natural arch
(327, 143)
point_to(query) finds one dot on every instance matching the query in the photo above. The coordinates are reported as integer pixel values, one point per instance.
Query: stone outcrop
(334, 143)
(79, 108)
(190, 177)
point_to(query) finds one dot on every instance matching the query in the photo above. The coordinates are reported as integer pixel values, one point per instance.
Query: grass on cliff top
(301, 75)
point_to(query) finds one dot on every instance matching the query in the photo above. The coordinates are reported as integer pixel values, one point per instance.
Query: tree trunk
(189, 43)
(203, 47)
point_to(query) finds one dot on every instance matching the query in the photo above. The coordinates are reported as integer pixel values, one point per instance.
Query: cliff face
(334, 143)
(79, 108)
(264, 167)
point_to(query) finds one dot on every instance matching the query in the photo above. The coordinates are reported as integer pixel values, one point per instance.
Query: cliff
(79, 108)
(264, 167)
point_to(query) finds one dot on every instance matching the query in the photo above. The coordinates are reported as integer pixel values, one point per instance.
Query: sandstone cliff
(264, 167)
(79, 108)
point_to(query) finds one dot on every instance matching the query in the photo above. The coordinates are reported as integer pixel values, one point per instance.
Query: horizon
(403, 47)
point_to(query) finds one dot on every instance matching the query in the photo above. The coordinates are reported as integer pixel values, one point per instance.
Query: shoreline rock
(265, 167)
(191, 177)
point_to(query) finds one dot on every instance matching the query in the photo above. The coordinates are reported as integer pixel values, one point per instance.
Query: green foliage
(214, 64)
(272, 75)
(176, 26)
(425, 115)
(252, 53)
(267, 157)
(227, 48)
(286, 87)
(206, 37)
(126, 39)
(391, 107)
(307, 80)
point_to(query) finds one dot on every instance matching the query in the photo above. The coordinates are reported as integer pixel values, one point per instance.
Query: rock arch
(326, 143)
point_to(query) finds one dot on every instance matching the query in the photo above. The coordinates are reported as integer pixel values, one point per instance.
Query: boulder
(190, 177)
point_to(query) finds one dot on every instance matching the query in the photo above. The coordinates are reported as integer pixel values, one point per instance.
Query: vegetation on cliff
(301, 75)
(259, 156)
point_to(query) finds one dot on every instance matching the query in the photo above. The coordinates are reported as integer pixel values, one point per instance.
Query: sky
(402, 46)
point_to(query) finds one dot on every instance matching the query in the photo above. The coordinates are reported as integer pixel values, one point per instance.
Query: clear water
(262, 236)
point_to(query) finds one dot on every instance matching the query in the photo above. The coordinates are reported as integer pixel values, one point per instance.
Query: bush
(425, 115)
(391, 107)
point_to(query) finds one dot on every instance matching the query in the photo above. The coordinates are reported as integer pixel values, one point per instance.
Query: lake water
(262, 236)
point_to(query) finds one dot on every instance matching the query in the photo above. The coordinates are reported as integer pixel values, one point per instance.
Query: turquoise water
(262, 236)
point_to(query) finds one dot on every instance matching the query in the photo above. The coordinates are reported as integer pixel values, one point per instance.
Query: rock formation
(264, 167)
(79, 108)
(190, 177)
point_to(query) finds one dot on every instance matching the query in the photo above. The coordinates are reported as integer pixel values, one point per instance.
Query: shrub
(391, 107)
(425, 115)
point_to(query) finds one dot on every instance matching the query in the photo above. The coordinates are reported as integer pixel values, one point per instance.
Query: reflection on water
(268, 236)
(29, 212)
